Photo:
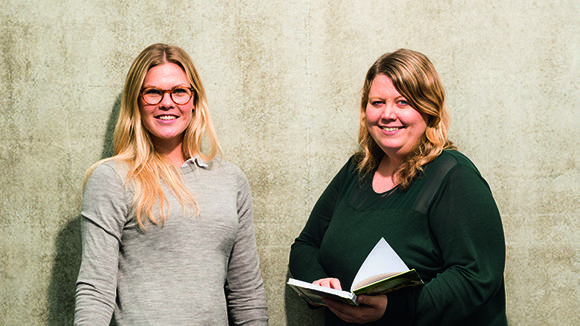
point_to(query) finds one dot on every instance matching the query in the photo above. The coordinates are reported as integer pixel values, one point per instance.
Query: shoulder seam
(434, 178)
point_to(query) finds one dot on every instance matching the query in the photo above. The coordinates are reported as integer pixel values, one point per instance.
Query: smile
(391, 128)
(166, 117)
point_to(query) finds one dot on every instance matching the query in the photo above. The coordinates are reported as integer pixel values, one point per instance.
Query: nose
(389, 111)
(166, 100)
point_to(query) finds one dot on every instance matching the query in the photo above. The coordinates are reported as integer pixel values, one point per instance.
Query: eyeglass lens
(179, 95)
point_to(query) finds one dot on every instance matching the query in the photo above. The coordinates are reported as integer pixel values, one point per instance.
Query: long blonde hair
(147, 169)
(414, 77)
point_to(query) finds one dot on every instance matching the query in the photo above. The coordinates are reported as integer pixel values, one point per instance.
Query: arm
(304, 255)
(467, 227)
(244, 289)
(97, 281)
(103, 212)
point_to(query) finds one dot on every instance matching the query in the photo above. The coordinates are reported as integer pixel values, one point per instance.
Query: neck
(175, 160)
(172, 153)
(384, 178)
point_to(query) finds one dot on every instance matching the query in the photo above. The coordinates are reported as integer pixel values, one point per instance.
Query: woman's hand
(329, 282)
(371, 308)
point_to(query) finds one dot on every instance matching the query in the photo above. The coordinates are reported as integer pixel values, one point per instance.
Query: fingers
(371, 308)
(378, 301)
(329, 282)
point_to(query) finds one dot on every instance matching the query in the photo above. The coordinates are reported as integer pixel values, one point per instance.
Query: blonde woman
(409, 185)
(167, 229)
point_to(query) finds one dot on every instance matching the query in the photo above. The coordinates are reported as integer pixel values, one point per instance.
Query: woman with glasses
(167, 227)
(409, 185)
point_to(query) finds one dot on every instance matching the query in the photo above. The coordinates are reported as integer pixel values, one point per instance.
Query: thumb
(362, 299)
(372, 300)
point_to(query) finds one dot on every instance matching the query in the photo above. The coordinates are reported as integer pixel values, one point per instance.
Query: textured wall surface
(283, 80)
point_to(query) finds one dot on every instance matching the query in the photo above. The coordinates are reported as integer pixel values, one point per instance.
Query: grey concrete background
(283, 80)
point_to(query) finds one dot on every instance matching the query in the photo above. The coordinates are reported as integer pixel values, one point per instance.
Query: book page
(314, 293)
(390, 284)
(373, 279)
(382, 260)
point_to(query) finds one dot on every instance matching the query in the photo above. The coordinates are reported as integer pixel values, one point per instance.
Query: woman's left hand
(371, 308)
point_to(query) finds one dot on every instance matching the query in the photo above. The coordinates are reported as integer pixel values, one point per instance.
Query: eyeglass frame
(170, 91)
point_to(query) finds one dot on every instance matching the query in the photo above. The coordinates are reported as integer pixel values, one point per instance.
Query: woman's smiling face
(166, 121)
(394, 125)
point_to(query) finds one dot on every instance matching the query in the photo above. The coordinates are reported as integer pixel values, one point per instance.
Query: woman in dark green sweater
(410, 186)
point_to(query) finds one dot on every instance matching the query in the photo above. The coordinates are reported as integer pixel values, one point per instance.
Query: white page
(382, 260)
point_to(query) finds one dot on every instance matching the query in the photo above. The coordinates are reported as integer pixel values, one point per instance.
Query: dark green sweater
(446, 226)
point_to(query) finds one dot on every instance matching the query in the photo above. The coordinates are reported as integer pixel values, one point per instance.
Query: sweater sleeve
(103, 214)
(467, 226)
(245, 289)
(305, 262)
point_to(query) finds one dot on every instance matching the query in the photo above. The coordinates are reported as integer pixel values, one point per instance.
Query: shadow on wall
(297, 311)
(61, 292)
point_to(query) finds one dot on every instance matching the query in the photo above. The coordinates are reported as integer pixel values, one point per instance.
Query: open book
(383, 271)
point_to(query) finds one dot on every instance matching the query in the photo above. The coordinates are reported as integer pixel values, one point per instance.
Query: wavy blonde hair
(147, 169)
(414, 77)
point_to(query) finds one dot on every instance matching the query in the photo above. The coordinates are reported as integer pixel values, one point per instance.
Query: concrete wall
(283, 80)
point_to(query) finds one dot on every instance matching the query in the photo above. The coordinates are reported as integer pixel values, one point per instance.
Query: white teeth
(167, 117)
(390, 129)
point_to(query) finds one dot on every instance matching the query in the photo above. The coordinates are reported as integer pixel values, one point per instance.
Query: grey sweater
(193, 270)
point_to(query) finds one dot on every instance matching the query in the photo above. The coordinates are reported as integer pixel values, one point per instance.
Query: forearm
(91, 307)
(96, 283)
(246, 297)
(304, 262)
(248, 306)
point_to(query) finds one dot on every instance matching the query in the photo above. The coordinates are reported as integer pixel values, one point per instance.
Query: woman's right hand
(328, 282)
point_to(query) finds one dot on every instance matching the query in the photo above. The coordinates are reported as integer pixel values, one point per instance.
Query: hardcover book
(382, 272)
